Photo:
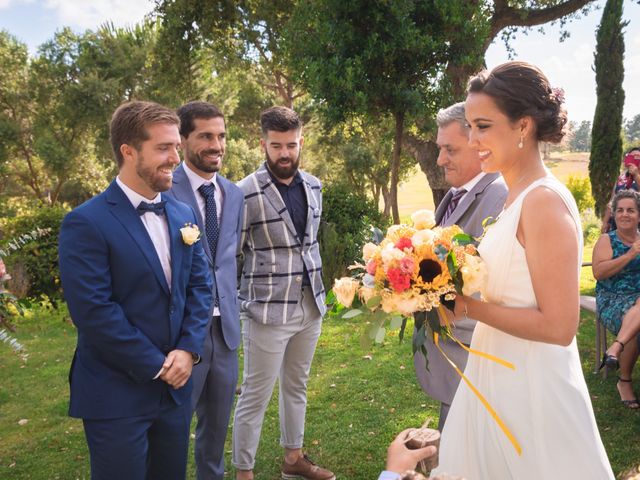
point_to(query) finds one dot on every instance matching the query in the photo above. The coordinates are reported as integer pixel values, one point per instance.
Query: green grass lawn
(358, 401)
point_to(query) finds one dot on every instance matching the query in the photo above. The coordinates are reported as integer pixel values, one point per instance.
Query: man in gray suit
(281, 294)
(474, 196)
(218, 204)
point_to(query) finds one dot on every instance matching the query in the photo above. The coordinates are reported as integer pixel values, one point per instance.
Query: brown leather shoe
(305, 469)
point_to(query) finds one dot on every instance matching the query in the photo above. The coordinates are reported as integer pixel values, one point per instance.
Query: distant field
(415, 193)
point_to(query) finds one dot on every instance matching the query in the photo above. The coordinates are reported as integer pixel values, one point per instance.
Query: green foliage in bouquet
(411, 274)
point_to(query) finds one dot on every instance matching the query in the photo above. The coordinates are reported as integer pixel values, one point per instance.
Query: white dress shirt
(156, 226)
(469, 185)
(196, 182)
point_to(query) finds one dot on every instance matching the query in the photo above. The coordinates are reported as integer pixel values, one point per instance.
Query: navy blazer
(224, 267)
(126, 315)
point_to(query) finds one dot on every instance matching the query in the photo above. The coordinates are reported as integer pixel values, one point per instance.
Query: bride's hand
(450, 316)
(460, 309)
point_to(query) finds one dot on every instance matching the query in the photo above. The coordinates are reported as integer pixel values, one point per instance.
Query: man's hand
(177, 368)
(400, 458)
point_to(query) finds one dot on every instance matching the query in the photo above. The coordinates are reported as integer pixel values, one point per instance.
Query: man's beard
(283, 172)
(197, 160)
(152, 177)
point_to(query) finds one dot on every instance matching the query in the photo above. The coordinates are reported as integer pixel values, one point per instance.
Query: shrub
(347, 219)
(34, 266)
(580, 188)
(590, 226)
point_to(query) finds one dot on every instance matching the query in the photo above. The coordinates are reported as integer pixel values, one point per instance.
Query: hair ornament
(558, 94)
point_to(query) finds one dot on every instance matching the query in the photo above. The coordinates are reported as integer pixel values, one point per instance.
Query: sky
(567, 64)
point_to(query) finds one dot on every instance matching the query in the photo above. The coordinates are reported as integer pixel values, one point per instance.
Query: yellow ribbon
(477, 393)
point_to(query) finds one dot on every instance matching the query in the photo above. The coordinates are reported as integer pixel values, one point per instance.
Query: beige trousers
(271, 352)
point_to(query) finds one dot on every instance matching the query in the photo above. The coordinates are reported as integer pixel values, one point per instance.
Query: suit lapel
(184, 193)
(312, 211)
(442, 206)
(124, 212)
(470, 197)
(273, 196)
(225, 227)
(175, 237)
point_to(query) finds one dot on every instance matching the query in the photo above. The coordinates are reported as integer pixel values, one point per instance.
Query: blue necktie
(157, 208)
(212, 229)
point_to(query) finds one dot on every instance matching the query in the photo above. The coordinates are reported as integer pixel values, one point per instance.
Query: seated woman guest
(629, 179)
(616, 267)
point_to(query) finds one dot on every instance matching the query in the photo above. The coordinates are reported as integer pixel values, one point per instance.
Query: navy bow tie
(157, 208)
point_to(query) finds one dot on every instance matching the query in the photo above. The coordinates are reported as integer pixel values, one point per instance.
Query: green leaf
(433, 320)
(331, 298)
(352, 313)
(402, 329)
(396, 322)
(373, 330)
(463, 239)
(380, 335)
(374, 302)
(365, 342)
(418, 339)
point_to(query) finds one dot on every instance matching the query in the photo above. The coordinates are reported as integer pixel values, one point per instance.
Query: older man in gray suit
(474, 196)
(218, 204)
(281, 294)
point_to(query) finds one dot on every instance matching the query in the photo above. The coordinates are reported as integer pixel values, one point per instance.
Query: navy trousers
(148, 447)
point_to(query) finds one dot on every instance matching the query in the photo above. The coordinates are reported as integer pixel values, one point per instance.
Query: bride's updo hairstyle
(521, 89)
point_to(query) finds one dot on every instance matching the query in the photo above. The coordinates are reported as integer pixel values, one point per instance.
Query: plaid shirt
(272, 258)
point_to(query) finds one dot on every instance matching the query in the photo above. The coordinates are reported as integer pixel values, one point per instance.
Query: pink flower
(3, 269)
(398, 280)
(372, 266)
(403, 243)
(406, 265)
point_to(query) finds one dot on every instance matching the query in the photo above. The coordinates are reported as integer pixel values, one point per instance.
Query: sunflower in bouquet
(415, 268)
(413, 272)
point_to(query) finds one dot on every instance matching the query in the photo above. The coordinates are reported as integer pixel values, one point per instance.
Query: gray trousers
(271, 352)
(214, 387)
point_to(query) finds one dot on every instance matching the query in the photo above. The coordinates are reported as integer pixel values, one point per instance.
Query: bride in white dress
(530, 309)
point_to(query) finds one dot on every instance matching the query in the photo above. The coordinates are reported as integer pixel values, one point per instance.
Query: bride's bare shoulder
(545, 208)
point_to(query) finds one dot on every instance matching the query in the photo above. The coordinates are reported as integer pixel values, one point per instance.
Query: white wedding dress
(544, 402)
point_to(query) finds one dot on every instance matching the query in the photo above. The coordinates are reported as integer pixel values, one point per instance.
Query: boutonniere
(190, 233)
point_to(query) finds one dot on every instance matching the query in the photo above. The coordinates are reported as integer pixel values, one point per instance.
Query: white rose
(190, 234)
(422, 237)
(474, 273)
(345, 289)
(390, 254)
(423, 219)
(367, 293)
(403, 304)
(369, 250)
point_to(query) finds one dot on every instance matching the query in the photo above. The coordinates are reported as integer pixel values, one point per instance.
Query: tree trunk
(395, 166)
(387, 201)
(426, 154)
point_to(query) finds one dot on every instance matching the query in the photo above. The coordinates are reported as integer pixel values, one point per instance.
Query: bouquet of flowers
(415, 268)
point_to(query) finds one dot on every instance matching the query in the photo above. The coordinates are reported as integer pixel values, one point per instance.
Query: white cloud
(5, 4)
(92, 13)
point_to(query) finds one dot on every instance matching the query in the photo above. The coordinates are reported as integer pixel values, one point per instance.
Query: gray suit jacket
(272, 257)
(485, 199)
(223, 268)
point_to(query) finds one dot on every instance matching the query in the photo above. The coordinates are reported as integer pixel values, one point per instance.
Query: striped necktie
(453, 203)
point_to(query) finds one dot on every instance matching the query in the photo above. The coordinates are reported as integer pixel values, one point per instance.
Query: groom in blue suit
(219, 205)
(138, 289)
